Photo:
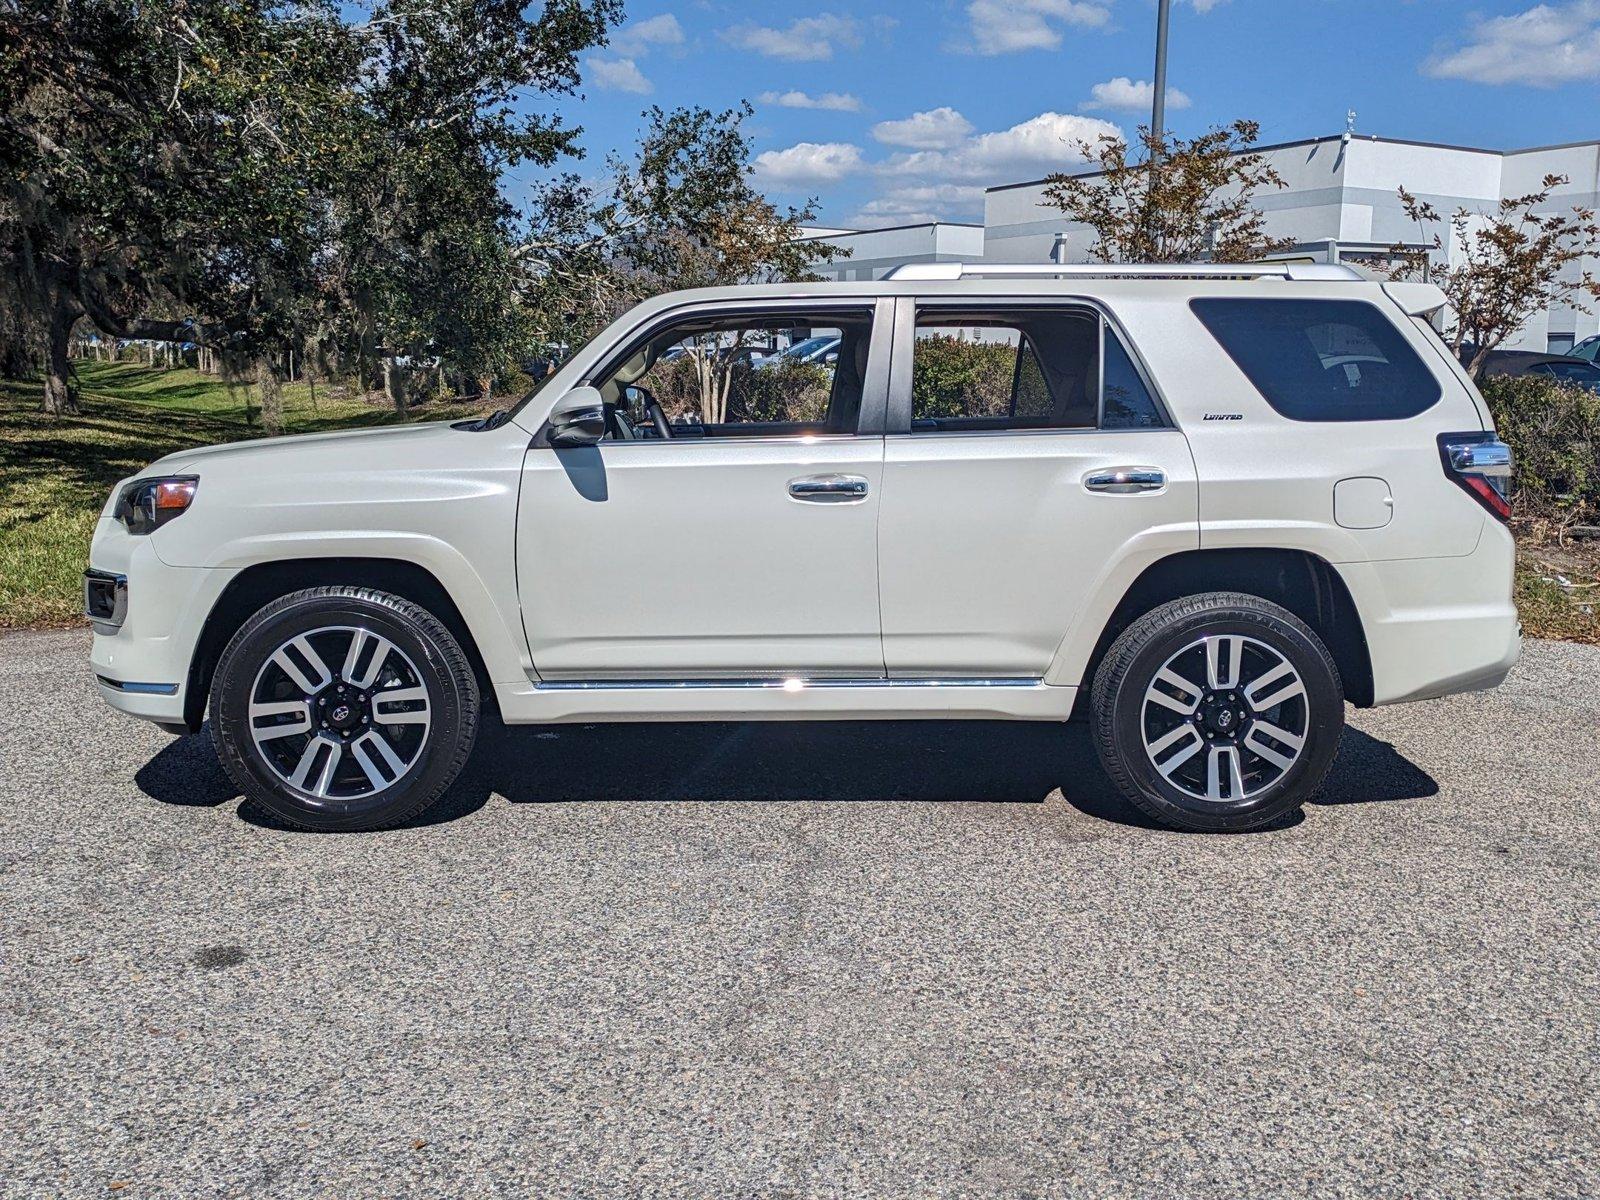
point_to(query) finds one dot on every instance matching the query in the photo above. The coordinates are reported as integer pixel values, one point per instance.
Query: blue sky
(896, 111)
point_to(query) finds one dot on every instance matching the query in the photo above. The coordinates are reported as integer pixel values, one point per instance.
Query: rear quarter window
(1322, 360)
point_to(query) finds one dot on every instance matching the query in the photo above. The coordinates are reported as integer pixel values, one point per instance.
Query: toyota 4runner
(1205, 505)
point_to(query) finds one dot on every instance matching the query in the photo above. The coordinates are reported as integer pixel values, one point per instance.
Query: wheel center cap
(1223, 719)
(342, 716)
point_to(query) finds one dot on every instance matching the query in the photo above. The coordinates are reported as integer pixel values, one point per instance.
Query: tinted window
(1322, 360)
(740, 374)
(1129, 404)
(1005, 369)
(1572, 372)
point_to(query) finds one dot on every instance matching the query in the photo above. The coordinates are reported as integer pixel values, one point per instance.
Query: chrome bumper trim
(146, 689)
(105, 622)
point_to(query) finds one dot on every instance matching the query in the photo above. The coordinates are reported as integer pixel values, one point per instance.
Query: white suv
(1211, 503)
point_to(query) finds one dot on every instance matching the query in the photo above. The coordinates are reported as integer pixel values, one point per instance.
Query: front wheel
(1217, 712)
(341, 708)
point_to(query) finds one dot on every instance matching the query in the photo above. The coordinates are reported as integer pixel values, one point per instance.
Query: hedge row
(1553, 429)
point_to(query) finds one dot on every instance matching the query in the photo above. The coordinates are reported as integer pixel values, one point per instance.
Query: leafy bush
(783, 391)
(1553, 429)
(952, 377)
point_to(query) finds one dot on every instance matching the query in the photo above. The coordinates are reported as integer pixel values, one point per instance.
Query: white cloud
(1007, 26)
(912, 204)
(1544, 46)
(618, 75)
(639, 37)
(807, 163)
(944, 183)
(829, 101)
(936, 129)
(1124, 93)
(1034, 147)
(806, 39)
(1205, 6)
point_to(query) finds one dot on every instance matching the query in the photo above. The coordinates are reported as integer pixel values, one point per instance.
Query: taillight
(1479, 464)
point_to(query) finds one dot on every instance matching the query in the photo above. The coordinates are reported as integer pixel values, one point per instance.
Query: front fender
(495, 628)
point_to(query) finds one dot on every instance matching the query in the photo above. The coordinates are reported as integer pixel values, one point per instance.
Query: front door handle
(1122, 481)
(828, 489)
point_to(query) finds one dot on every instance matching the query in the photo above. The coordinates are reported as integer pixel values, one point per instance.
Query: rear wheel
(1217, 712)
(343, 708)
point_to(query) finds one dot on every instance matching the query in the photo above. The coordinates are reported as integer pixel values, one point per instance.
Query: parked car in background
(1204, 505)
(1589, 348)
(1566, 367)
(823, 350)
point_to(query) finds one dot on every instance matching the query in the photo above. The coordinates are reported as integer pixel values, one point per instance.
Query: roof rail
(1320, 272)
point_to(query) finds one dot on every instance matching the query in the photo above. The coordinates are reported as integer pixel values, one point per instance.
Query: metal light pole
(1158, 107)
(1158, 118)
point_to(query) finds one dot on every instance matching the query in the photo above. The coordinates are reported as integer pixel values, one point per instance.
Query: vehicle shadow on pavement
(994, 762)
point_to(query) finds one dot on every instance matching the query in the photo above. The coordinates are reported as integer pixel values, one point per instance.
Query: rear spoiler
(1418, 299)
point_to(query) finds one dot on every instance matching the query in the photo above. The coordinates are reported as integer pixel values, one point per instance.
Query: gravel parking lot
(846, 960)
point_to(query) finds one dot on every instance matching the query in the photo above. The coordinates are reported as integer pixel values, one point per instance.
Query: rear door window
(1322, 360)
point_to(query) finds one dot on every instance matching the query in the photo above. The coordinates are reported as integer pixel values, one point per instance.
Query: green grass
(55, 473)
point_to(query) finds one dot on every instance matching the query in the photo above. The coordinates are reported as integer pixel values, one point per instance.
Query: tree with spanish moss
(253, 178)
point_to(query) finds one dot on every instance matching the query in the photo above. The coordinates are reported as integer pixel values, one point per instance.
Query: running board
(777, 699)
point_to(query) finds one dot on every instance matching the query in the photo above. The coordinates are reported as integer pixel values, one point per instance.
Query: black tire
(1126, 726)
(430, 658)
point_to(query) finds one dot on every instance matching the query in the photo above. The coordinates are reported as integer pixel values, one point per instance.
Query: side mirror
(578, 419)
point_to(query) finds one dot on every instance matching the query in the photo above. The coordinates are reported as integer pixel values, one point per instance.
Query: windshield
(809, 346)
(1585, 373)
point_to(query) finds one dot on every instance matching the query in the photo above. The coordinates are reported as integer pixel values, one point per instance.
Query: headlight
(147, 504)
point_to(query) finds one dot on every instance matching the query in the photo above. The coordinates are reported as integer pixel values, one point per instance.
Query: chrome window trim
(774, 439)
(871, 418)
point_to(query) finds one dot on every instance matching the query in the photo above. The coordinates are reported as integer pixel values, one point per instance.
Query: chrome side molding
(789, 683)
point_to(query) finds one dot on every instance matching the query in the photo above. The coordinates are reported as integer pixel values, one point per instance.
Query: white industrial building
(872, 253)
(1341, 204)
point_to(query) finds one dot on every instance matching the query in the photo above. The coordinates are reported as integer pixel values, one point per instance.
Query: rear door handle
(1122, 481)
(828, 489)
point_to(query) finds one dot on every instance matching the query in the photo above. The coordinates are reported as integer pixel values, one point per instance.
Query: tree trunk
(60, 398)
(395, 395)
(486, 388)
(271, 394)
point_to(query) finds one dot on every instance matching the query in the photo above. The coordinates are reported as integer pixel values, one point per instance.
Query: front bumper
(141, 663)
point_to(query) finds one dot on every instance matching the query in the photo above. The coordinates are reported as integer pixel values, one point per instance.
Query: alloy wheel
(343, 733)
(1225, 718)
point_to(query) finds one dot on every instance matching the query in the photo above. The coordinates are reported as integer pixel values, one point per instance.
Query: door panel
(655, 560)
(991, 544)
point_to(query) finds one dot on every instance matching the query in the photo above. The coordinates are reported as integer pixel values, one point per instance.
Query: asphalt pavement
(836, 960)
